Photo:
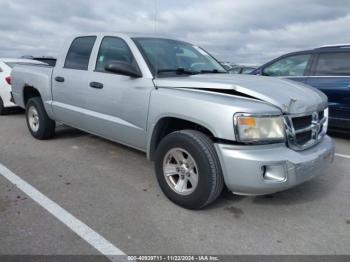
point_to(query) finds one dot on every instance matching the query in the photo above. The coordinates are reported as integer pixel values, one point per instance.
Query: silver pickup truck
(203, 128)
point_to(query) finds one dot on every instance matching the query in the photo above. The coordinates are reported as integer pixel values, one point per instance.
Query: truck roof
(123, 35)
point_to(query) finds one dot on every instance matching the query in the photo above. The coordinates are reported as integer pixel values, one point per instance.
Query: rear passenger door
(70, 82)
(331, 74)
(294, 67)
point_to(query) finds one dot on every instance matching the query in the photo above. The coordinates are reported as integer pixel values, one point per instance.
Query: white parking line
(344, 156)
(85, 232)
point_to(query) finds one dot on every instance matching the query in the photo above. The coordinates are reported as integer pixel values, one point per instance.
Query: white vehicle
(6, 65)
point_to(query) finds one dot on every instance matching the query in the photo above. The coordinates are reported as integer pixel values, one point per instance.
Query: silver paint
(127, 110)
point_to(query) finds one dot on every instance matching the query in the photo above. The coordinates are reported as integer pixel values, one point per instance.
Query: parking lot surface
(113, 190)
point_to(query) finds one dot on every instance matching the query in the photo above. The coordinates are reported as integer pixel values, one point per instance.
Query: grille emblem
(291, 104)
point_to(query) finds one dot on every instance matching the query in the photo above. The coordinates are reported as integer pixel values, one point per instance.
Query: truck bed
(31, 75)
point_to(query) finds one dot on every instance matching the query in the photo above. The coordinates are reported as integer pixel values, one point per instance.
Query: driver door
(117, 105)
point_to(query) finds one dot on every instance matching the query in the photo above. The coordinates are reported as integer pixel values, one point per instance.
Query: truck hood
(289, 96)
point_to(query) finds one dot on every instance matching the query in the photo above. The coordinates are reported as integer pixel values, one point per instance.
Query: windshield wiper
(178, 71)
(214, 71)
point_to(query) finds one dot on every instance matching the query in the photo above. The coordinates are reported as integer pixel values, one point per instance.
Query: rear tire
(3, 110)
(39, 124)
(176, 154)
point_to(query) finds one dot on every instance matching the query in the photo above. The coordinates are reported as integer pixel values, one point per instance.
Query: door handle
(59, 79)
(96, 85)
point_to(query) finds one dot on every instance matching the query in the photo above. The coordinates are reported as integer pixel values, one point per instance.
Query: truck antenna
(155, 33)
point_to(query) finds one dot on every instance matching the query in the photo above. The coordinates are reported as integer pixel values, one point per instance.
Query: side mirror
(122, 68)
(264, 73)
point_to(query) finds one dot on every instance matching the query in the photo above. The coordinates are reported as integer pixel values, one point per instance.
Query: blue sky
(238, 31)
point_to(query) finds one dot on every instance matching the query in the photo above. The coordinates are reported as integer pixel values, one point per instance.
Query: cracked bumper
(245, 167)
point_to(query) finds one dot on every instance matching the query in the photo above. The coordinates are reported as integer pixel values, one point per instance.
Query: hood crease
(291, 97)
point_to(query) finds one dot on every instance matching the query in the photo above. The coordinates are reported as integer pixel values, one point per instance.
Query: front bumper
(245, 167)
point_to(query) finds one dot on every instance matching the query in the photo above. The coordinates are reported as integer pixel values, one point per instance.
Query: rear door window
(333, 64)
(78, 55)
(289, 66)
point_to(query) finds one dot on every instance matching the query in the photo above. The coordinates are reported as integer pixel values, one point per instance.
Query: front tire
(188, 169)
(39, 124)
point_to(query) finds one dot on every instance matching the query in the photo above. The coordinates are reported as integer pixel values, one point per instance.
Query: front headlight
(255, 128)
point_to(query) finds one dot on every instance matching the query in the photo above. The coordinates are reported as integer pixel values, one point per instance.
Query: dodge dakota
(203, 128)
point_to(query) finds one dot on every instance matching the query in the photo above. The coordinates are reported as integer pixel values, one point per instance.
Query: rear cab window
(333, 64)
(79, 53)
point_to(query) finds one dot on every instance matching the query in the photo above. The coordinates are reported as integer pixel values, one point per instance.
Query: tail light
(8, 80)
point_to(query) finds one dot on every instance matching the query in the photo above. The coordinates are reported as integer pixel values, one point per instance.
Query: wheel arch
(29, 92)
(168, 124)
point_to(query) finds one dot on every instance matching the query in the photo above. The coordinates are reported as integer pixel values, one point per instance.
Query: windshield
(170, 57)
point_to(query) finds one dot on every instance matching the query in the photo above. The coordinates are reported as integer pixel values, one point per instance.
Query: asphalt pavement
(113, 190)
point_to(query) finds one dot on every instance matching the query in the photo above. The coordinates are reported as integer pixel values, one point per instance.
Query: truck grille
(304, 131)
(301, 122)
